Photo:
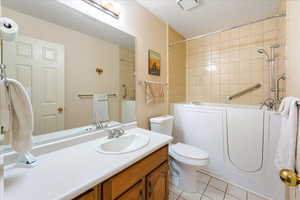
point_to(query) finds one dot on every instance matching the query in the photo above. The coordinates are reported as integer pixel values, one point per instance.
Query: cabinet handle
(150, 189)
(141, 195)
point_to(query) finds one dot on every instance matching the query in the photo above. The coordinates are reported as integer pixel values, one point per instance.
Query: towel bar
(155, 82)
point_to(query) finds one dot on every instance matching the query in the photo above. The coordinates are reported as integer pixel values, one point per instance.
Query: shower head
(262, 51)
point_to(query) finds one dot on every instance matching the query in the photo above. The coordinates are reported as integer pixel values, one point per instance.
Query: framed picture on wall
(154, 63)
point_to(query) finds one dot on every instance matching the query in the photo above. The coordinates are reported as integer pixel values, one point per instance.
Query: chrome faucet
(115, 133)
(100, 124)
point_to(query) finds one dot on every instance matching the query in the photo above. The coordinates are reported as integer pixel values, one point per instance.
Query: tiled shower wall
(225, 63)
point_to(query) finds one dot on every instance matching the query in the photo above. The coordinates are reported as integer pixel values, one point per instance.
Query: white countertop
(66, 173)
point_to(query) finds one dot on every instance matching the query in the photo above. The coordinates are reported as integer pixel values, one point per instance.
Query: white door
(39, 66)
(292, 193)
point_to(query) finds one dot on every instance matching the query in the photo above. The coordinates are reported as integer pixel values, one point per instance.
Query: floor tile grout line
(207, 184)
(236, 196)
(227, 186)
(225, 192)
(205, 188)
(179, 195)
(218, 188)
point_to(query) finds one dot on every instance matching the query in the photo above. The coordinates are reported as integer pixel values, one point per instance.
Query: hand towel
(100, 108)
(19, 116)
(128, 111)
(154, 93)
(287, 151)
(5, 115)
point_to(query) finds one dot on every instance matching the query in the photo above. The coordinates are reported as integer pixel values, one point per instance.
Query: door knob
(289, 177)
(60, 109)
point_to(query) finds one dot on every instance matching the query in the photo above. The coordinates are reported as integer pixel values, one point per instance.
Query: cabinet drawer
(121, 182)
(91, 194)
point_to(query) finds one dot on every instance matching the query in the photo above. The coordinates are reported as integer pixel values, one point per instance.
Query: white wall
(293, 63)
(1, 158)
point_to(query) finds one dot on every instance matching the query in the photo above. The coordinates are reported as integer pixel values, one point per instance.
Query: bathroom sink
(127, 143)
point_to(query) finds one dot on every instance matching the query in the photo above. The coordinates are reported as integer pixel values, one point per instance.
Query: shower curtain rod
(226, 29)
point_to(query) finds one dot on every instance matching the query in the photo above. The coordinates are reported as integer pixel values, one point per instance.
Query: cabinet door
(91, 194)
(137, 192)
(122, 182)
(157, 183)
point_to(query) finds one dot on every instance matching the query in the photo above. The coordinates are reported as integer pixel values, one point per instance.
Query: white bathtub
(240, 140)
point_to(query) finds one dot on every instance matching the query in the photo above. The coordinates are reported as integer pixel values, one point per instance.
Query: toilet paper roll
(8, 29)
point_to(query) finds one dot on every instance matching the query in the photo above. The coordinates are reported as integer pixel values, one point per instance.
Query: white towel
(1, 178)
(287, 151)
(100, 108)
(5, 115)
(128, 111)
(19, 116)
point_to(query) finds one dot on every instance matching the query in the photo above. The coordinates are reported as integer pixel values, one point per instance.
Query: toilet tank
(162, 124)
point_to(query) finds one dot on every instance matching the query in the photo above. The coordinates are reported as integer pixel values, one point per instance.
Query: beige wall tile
(230, 62)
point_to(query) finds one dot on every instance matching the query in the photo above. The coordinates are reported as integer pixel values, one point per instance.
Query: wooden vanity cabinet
(149, 175)
(147, 179)
(91, 194)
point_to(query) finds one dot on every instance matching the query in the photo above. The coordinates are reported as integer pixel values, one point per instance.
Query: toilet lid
(189, 151)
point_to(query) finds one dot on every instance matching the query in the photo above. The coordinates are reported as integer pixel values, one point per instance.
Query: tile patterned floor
(210, 188)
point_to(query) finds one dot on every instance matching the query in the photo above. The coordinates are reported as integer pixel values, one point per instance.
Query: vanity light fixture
(105, 6)
(188, 4)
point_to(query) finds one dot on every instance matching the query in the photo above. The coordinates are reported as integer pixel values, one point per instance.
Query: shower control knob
(289, 177)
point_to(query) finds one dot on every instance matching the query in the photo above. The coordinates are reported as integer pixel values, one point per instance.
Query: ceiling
(211, 15)
(57, 13)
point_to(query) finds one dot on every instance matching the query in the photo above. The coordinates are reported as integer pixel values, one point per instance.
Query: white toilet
(187, 158)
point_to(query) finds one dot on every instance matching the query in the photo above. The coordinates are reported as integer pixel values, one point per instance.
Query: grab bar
(91, 95)
(254, 87)
(125, 91)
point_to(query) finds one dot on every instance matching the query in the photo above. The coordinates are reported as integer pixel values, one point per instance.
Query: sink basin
(124, 144)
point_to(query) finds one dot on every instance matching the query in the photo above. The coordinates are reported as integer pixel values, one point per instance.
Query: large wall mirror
(76, 70)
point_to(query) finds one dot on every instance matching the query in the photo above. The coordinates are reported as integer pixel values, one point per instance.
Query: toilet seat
(188, 154)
